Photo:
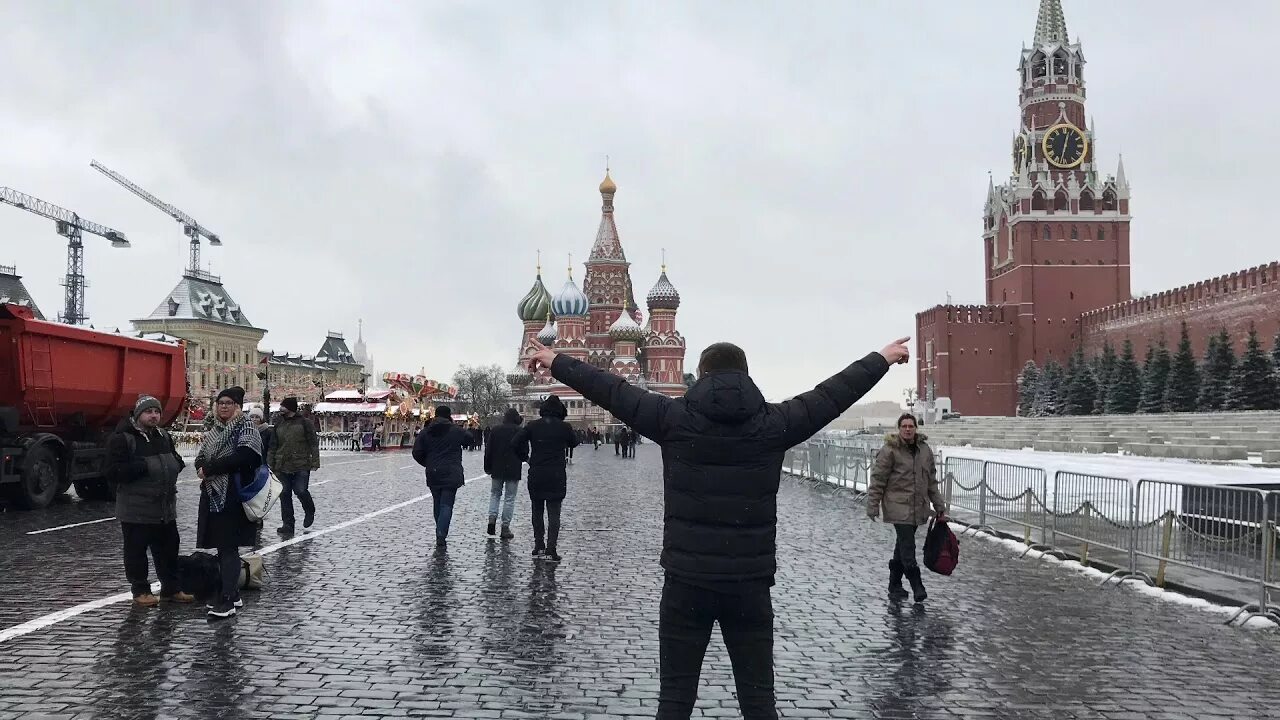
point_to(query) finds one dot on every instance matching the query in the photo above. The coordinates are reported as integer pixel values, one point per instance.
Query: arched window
(1086, 200)
(1038, 66)
(1046, 232)
(1071, 296)
(1075, 234)
(1109, 199)
(1060, 64)
(1102, 233)
(1005, 298)
(1060, 201)
(1037, 200)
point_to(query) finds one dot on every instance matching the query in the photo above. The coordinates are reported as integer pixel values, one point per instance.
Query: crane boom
(71, 226)
(190, 227)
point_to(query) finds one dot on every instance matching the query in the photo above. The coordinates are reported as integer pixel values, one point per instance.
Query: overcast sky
(815, 170)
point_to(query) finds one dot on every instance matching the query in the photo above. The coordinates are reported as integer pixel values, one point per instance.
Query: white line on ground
(409, 467)
(375, 472)
(54, 618)
(64, 527)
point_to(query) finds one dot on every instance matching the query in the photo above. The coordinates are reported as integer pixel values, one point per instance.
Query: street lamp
(265, 376)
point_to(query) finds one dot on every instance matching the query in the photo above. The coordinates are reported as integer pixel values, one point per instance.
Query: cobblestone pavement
(369, 621)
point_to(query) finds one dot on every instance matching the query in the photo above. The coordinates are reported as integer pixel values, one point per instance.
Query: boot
(917, 587)
(539, 548)
(896, 591)
(551, 555)
(493, 522)
(506, 532)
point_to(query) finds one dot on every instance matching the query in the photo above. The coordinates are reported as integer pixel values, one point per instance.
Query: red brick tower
(664, 346)
(607, 283)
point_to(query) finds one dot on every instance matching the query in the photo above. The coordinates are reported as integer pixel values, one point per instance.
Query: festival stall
(418, 397)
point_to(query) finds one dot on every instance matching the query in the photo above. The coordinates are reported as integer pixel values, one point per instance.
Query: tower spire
(539, 262)
(1051, 24)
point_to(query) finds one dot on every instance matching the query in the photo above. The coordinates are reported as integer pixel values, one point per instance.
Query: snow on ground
(1123, 466)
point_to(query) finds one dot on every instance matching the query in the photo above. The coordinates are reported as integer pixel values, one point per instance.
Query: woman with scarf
(231, 449)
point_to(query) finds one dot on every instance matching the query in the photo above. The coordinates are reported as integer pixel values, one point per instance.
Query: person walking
(143, 465)
(264, 429)
(439, 450)
(502, 465)
(230, 449)
(619, 441)
(294, 453)
(722, 451)
(544, 443)
(633, 438)
(903, 487)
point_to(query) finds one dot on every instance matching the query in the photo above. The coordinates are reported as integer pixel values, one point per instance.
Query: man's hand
(543, 357)
(896, 352)
(200, 472)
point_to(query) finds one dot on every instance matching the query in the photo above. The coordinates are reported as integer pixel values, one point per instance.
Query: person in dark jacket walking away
(143, 466)
(633, 438)
(722, 451)
(904, 486)
(230, 449)
(543, 444)
(502, 465)
(619, 441)
(294, 453)
(439, 450)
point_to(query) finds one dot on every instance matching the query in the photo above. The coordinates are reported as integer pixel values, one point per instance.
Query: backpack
(941, 547)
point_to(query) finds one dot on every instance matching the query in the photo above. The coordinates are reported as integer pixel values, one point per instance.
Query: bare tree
(484, 388)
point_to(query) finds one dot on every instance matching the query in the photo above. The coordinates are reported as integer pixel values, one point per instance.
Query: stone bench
(1076, 446)
(1189, 452)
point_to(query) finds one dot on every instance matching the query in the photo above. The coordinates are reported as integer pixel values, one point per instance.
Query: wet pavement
(369, 621)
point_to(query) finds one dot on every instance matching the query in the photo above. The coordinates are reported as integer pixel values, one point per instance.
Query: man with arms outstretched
(722, 451)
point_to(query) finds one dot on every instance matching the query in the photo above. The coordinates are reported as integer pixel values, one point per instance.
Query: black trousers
(162, 540)
(904, 550)
(229, 566)
(686, 615)
(552, 528)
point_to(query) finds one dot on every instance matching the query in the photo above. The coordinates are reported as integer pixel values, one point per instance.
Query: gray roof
(13, 292)
(335, 350)
(200, 296)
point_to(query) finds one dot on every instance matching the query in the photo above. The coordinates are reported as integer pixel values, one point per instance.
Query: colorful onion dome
(663, 295)
(570, 301)
(548, 334)
(519, 375)
(607, 186)
(625, 328)
(536, 303)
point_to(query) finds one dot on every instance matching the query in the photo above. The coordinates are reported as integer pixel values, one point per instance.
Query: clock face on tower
(1065, 146)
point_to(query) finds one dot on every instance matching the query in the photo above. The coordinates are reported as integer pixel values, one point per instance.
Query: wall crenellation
(1188, 297)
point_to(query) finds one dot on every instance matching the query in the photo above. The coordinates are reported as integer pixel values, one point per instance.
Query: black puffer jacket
(439, 450)
(144, 469)
(722, 451)
(500, 459)
(542, 443)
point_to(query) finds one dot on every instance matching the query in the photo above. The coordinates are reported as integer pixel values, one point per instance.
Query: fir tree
(1215, 374)
(1183, 388)
(1275, 355)
(1103, 370)
(1049, 391)
(1155, 377)
(1027, 382)
(1253, 384)
(1126, 383)
(1082, 387)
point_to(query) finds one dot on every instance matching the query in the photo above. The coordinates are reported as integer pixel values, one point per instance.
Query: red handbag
(941, 547)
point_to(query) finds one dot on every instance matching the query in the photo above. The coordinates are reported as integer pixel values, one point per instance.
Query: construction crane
(190, 227)
(69, 226)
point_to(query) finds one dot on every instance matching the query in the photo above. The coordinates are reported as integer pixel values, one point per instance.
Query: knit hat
(256, 414)
(444, 411)
(235, 393)
(290, 404)
(145, 403)
(553, 407)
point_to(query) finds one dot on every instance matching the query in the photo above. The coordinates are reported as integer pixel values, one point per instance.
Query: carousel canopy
(344, 395)
(419, 386)
(350, 407)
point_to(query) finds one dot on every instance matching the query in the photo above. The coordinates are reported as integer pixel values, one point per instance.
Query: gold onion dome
(625, 328)
(536, 303)
(607, 186)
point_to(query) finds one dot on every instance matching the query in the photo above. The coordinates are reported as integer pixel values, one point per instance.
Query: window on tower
(1046, 232)
(1038, 67)
(1060, 65)
(1060, 201)
(1086, 200)
(1038, 200)
(1109, 200)
(1102, 233)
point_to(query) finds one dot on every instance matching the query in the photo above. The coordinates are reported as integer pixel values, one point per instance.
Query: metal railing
(1220, 540)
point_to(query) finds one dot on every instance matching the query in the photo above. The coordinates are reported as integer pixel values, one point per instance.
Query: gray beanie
(145, 402)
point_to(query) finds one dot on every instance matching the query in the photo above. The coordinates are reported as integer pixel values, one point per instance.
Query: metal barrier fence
(1219, 539)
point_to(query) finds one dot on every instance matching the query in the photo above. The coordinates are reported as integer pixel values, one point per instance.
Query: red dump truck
(63, 389)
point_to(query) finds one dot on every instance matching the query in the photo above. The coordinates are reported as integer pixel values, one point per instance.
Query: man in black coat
(722, 451)
(502, 465)
(543, 444)
(439, 450)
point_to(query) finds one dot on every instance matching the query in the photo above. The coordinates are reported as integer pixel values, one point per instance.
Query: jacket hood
(512, 417)
(439, 426)
(729, 397)
(554, 408)
(892, 439)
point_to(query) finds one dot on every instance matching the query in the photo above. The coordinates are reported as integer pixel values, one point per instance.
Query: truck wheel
(40, 482)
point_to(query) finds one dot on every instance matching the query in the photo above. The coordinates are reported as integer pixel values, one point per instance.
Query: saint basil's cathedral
(600, 324)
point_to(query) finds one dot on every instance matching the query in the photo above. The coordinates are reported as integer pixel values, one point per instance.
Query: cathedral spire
(1051, 24)
(607, 248)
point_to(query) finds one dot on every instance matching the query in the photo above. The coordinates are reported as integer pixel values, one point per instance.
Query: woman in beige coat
(903, 487)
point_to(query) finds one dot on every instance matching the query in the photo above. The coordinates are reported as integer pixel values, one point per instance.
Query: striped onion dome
(548, 334)
(663, 295)
(536, 303)
(625, 328)
(570, 301)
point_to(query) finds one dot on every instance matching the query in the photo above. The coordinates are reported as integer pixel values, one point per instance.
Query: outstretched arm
(644, 411)
(809, 412)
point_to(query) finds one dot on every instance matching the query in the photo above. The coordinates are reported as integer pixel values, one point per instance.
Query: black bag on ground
(199, 575)
(941, 547)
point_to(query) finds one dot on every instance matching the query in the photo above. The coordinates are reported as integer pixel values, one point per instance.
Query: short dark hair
(907, 416)
(722, 356)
